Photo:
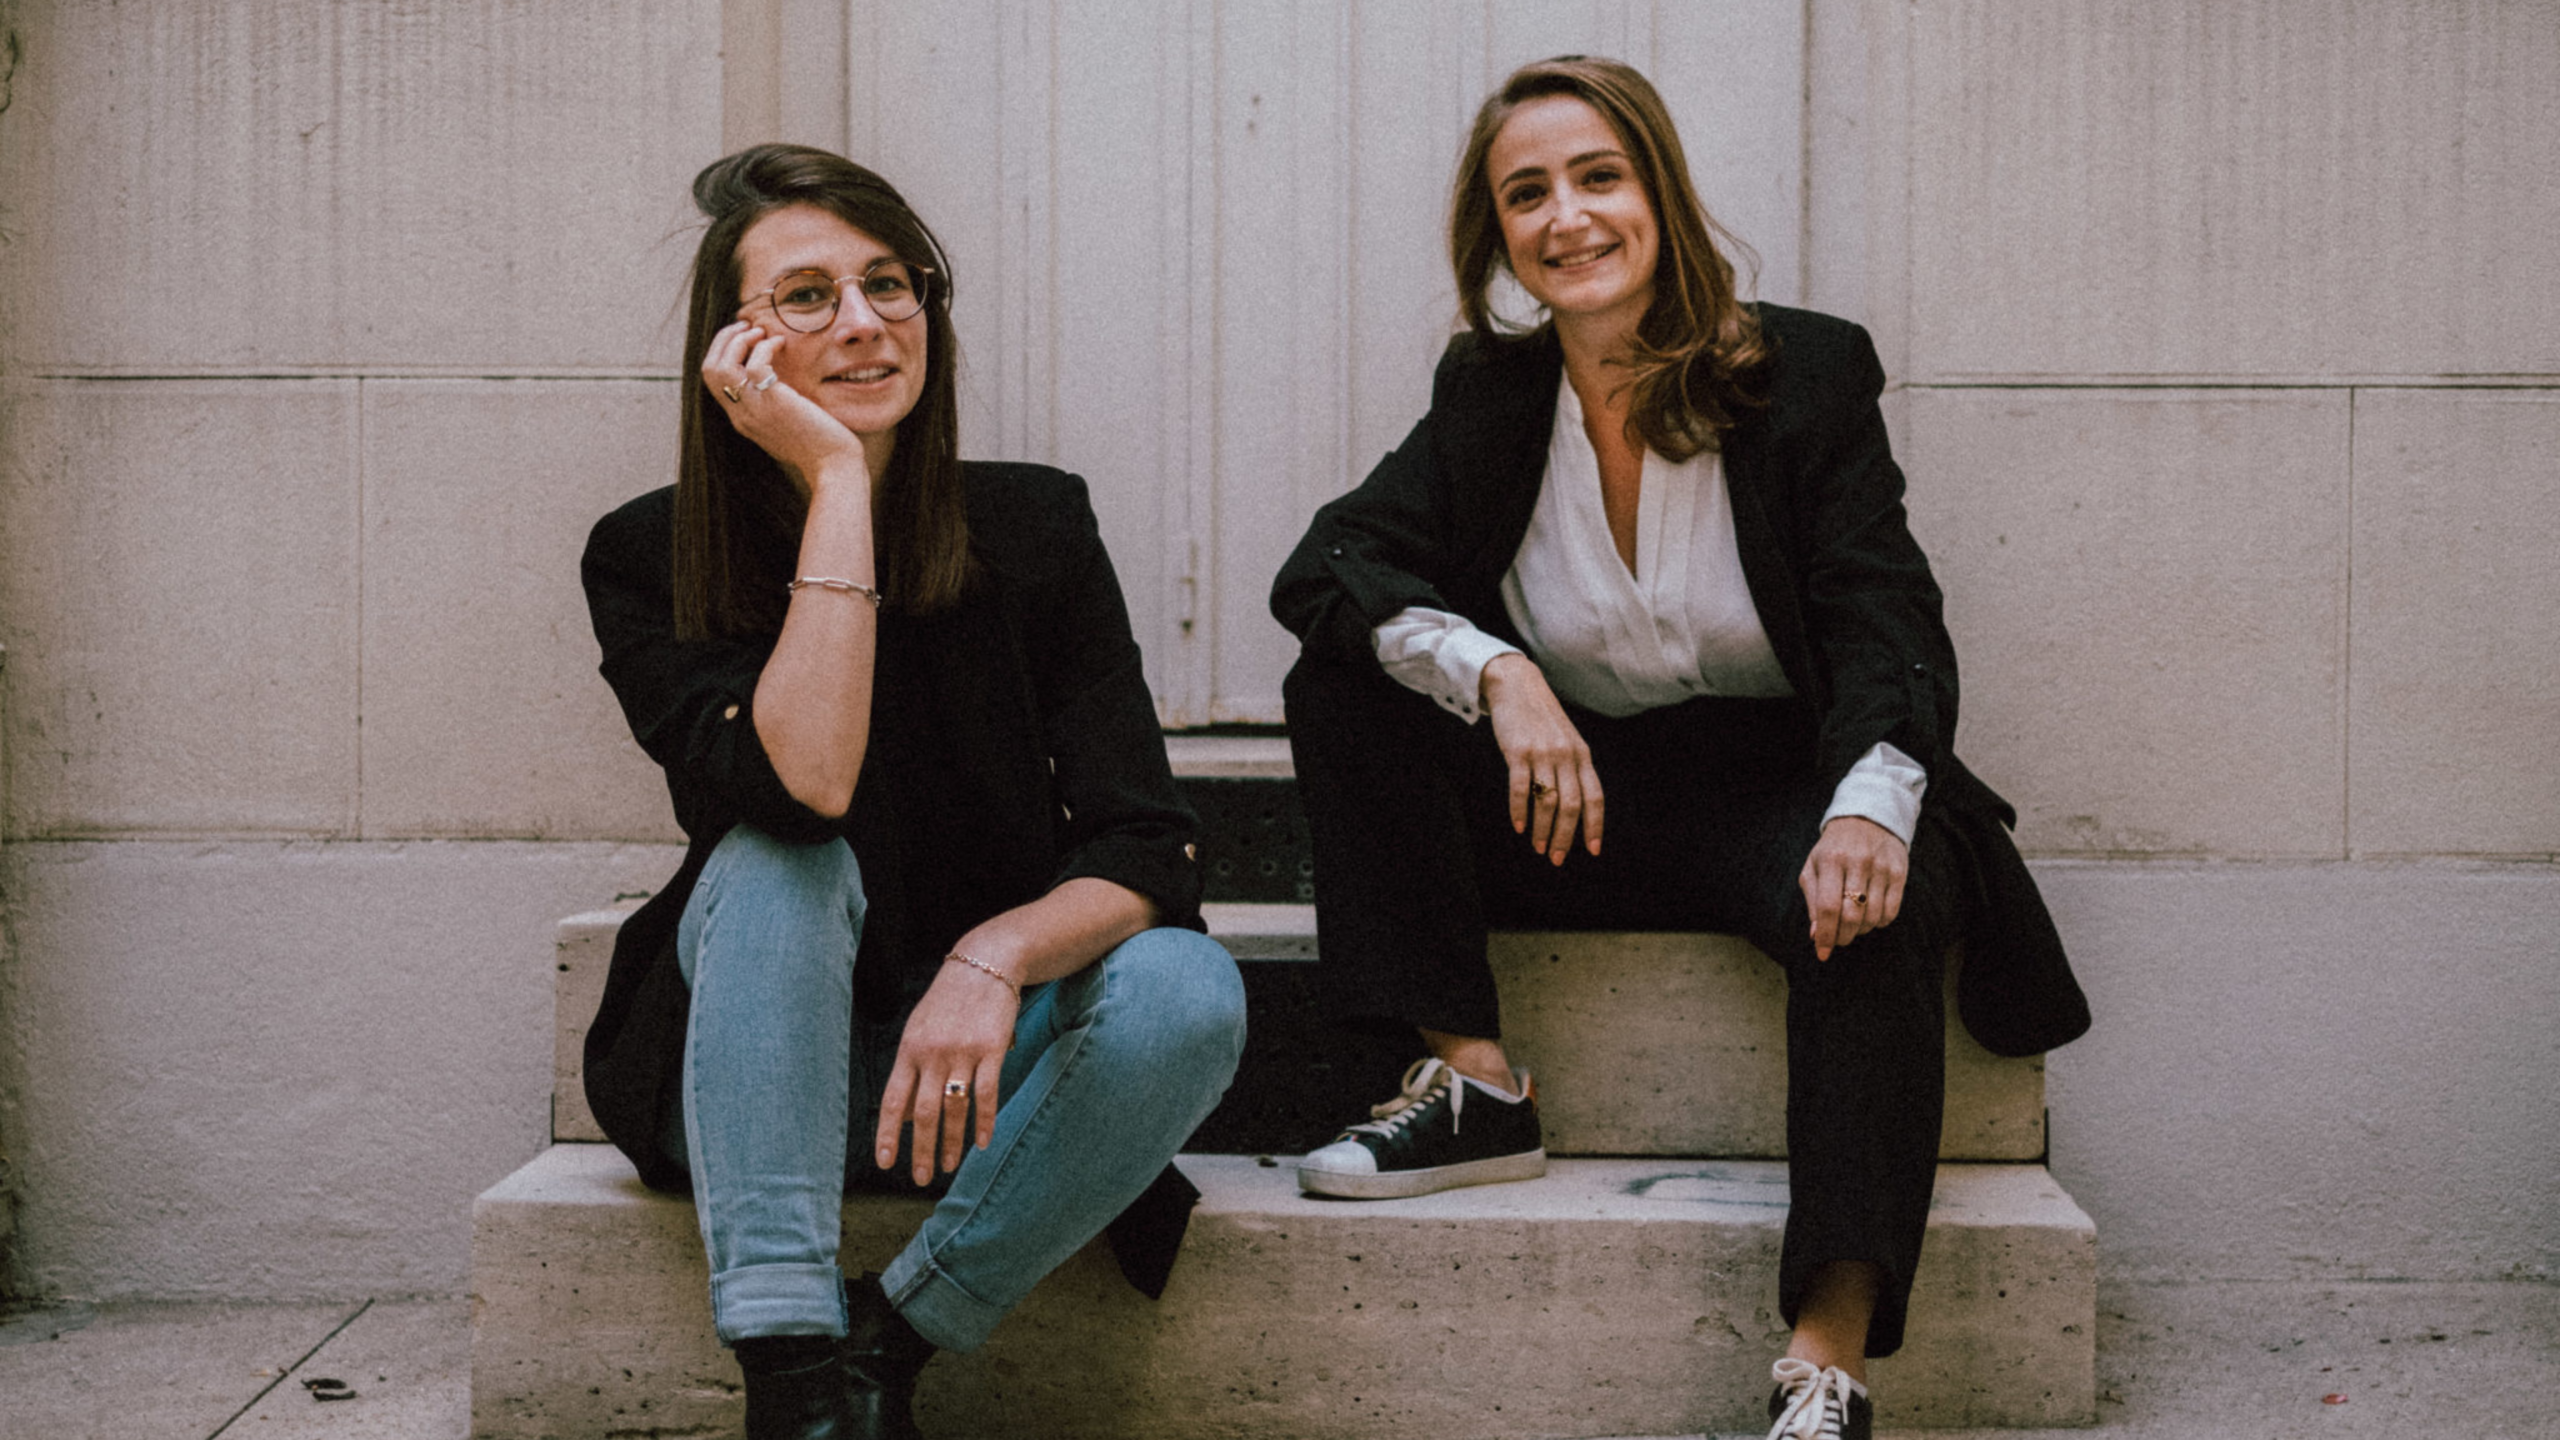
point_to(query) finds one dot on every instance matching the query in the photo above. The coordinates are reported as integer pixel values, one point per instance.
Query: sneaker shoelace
(1817, 1400)
(1423, 1080)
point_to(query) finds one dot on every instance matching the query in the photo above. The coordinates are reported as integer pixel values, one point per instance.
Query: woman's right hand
(1553, 786)
(957, 1037)
(784, 423)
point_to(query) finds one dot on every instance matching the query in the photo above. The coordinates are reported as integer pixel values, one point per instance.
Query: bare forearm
(1061, 932)
(813, 701)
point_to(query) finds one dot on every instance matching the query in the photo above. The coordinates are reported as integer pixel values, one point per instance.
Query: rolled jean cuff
(777, 1300)
(937, 1305)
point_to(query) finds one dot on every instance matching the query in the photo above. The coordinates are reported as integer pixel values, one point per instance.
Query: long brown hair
(738, 517)
(1699, 351)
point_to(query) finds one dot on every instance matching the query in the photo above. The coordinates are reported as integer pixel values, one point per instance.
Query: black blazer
(1014, 746)
(1841, 587)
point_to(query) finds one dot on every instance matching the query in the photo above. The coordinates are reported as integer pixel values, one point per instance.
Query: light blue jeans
(1111, 1069)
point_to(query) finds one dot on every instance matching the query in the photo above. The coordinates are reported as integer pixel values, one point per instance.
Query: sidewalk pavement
(2175, 1362)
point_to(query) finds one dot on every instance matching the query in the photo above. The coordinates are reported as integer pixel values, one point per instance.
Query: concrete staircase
(1633, 1295)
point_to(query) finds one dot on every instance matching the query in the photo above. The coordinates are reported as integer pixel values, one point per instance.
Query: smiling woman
(1657, 537)
(1576, 227)
(940, 891)
(859, 349)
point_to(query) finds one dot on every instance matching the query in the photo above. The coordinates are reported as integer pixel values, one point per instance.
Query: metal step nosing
(1262, 932)
(1229, 757)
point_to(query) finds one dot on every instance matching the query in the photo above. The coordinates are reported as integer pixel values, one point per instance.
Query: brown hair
(738, 517)
(1699, 351)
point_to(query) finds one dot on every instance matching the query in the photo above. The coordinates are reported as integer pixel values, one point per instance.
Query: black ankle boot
(797, 1390)
(883, 1354)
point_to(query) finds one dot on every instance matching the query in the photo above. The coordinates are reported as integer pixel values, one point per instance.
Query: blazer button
(729, 714)
(1335, 552)
(1190, 852)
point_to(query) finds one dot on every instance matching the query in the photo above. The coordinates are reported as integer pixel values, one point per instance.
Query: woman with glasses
(1656, 537)
(939, 914)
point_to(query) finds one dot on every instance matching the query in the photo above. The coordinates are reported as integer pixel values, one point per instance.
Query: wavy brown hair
(738, 516)
(1699, 351)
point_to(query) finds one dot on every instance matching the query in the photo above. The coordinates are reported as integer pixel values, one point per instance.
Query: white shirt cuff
(1438, 654)
(1884, 786)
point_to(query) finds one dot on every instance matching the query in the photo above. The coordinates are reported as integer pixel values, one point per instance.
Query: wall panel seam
(2347, 656)
(2288, 383)
(362, 480)
(1804, 154)
(458, 373)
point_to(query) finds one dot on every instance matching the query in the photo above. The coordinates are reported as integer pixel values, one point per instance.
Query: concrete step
(1614, 1297)
(1230, 757)
(1643, 1044)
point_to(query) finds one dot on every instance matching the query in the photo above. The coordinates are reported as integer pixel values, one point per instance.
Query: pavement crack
(287, 1372)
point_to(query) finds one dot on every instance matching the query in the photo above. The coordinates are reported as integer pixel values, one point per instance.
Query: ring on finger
(766, 383)
(1541, 787)
(732, 392)
(954, 1089)
(1858, 899)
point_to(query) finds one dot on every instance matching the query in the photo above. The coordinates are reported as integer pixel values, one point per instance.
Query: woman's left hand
(1853, 881)
(959, 1032)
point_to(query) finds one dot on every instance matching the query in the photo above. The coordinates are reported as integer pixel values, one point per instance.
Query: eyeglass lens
(807, 301)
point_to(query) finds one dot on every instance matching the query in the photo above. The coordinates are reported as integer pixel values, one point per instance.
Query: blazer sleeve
(1125, 820)
(1874, 615)
(1383, 547)
(690, 704)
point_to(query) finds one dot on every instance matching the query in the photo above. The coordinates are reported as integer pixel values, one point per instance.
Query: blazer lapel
(1498, 452)
(1766, 568)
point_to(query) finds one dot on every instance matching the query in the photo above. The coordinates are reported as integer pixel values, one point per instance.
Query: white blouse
(1680, 626)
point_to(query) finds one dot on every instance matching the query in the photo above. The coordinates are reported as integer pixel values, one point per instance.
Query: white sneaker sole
(1398, 1184)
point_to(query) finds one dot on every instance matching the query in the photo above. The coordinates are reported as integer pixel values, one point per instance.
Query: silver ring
(732, 392)
(954, 1089)
(764, 384)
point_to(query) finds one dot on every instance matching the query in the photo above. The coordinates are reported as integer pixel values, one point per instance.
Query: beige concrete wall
(2227, 375)
(2222, 344)
(326, 329)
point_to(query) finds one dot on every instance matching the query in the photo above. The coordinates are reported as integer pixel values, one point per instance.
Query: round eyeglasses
(806, 300)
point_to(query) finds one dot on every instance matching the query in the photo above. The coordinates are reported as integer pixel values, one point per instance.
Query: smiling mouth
(1580, 258)
(867, 375)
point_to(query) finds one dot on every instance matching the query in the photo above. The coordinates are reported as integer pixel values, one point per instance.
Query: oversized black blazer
(1014, 745)
(1843, 590)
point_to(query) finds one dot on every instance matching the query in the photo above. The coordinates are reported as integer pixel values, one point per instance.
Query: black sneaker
(1815, 1402)
(1443, 1131)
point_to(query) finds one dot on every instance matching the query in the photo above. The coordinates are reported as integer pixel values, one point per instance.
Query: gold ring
(1858, 899)
(764, 384)
(732, 392)
(954, 1089)
(1539, 787)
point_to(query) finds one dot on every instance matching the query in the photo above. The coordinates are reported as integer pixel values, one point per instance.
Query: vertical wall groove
(2347, 846)
(359, 824)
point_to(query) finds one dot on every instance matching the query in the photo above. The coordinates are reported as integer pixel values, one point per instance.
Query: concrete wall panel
(279, 1070)
(2148, 592)
(2205, 188)
(483, 712)
(2455, 702)
(1734, 77)
(2330, 1071)
(178, 583)
(335, 184)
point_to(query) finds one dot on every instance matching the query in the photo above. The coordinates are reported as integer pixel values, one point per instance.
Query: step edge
(591, 1176)
(1229, 757)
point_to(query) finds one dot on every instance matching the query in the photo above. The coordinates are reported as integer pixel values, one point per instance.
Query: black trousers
(1712, 807)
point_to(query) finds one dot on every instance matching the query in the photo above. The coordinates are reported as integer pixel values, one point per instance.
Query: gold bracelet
(842, 587)
(974, 963)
